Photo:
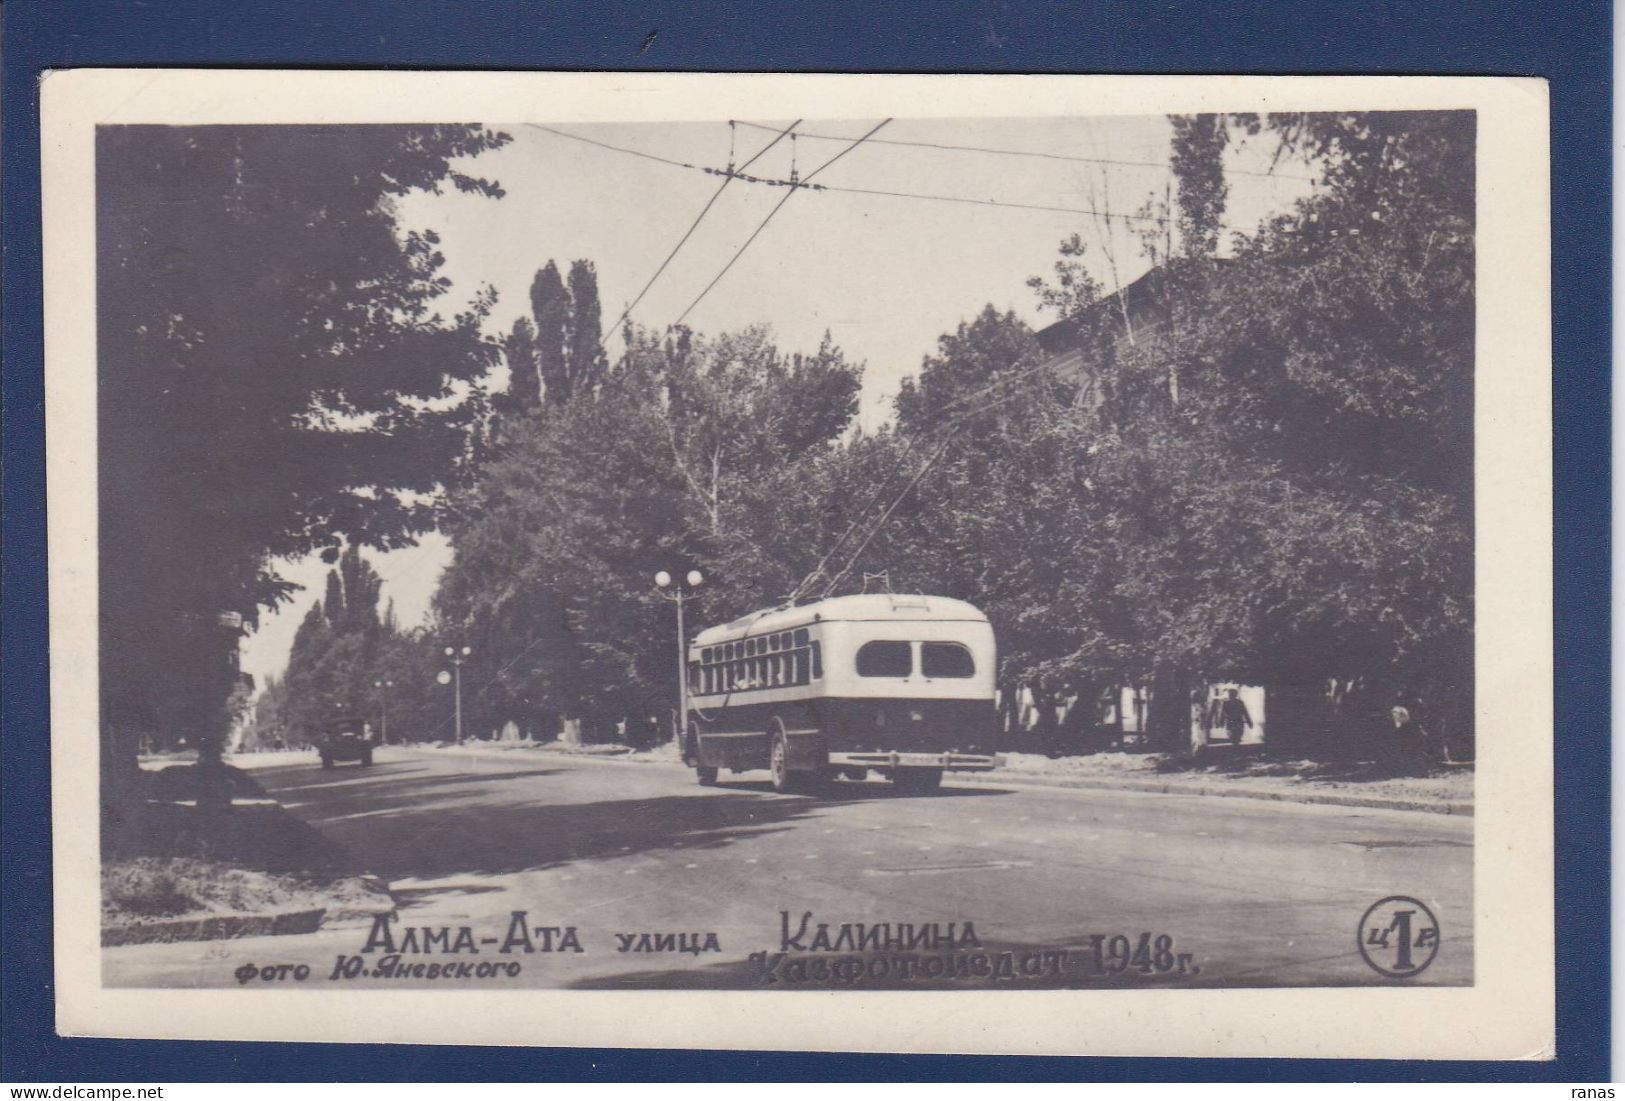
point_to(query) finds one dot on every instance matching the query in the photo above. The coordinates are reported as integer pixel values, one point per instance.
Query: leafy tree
(556, 351)
(341, 652)
(550, 311)
(586, 349)
(1196, 158)
(362, 587)
(275, 378)
(1256, 468)
(522, 351)
(1284, 458)
(662, 466)
(966, 361)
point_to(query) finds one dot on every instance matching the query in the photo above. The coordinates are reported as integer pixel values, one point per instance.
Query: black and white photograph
(843, 548)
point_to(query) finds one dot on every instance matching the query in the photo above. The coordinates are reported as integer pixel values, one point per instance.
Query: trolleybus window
(946, 659)
(885, 659)
(786, 659)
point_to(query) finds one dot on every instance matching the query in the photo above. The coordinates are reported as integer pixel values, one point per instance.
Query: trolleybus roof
(859, 607)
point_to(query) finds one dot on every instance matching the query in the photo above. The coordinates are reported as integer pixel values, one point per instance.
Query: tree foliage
(1282, 466)
(556, 351)
(276, 376)
(664, 464)
(347, 661)
(1254, 463)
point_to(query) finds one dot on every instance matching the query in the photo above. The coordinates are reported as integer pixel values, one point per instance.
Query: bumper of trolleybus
(952, 762)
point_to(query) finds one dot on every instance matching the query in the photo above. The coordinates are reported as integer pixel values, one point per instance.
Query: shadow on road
(410, 822)
(859, 792)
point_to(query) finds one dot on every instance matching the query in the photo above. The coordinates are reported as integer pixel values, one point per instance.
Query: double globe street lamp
(457, 656)
(664, 581)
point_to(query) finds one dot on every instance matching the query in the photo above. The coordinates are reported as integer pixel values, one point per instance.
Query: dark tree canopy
(278, 374)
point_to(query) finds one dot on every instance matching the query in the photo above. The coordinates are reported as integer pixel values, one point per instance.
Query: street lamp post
(457, 656)
(383, 687)
(663, 581)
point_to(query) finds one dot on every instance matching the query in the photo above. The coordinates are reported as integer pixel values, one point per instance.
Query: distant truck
(347, 739)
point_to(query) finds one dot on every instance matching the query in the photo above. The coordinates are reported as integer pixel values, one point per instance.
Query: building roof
(862, 606)
(1138, 296)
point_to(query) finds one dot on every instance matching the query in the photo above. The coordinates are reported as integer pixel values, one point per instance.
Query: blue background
(1568, 43)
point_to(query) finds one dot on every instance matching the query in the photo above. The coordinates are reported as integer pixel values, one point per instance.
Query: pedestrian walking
(1233, 717)
(1409, 737)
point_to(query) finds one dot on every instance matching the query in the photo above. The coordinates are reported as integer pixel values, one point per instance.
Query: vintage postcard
(1051, 565)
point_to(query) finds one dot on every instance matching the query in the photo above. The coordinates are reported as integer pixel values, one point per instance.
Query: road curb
(1371, 802)
(217, 927)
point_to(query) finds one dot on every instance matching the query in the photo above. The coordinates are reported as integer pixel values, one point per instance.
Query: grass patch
(153, 888)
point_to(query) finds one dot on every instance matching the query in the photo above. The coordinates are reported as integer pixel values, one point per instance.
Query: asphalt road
(1249, 893)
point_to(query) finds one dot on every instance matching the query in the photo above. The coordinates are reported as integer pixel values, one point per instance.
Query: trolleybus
(902, 686)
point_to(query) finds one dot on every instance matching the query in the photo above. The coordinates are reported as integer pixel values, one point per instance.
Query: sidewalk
(1346, 784)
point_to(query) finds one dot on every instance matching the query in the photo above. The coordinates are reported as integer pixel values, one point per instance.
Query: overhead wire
(794, 184)
(912, 444)
(794, 187)
(1039, 154)
(772, 181)
(947, 429)
(1044, 208)
(715, 195)
(874, 529)
(618, 148)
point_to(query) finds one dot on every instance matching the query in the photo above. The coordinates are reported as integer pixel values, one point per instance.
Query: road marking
(630, 871)
(1093, 837)
(810, 856)
(829, 831)
(691, 865)
(867, 852)
(1071, 818)
(750, 860)
(1148, 835)
(566, 877)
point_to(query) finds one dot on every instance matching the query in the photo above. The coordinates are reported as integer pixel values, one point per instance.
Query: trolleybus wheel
(778, 763)
(707, 776)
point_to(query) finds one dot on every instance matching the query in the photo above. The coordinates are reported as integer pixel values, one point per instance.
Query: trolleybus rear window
(885, 659)
(946, 659)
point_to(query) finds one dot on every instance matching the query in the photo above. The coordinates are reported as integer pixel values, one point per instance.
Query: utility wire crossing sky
(904, 233)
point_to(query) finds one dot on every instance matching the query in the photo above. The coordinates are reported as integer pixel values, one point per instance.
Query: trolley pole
(663, 581)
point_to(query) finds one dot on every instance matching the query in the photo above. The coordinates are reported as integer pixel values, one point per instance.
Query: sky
(884, 275)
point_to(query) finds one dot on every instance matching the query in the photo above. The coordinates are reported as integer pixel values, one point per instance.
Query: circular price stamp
(1398, 937)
